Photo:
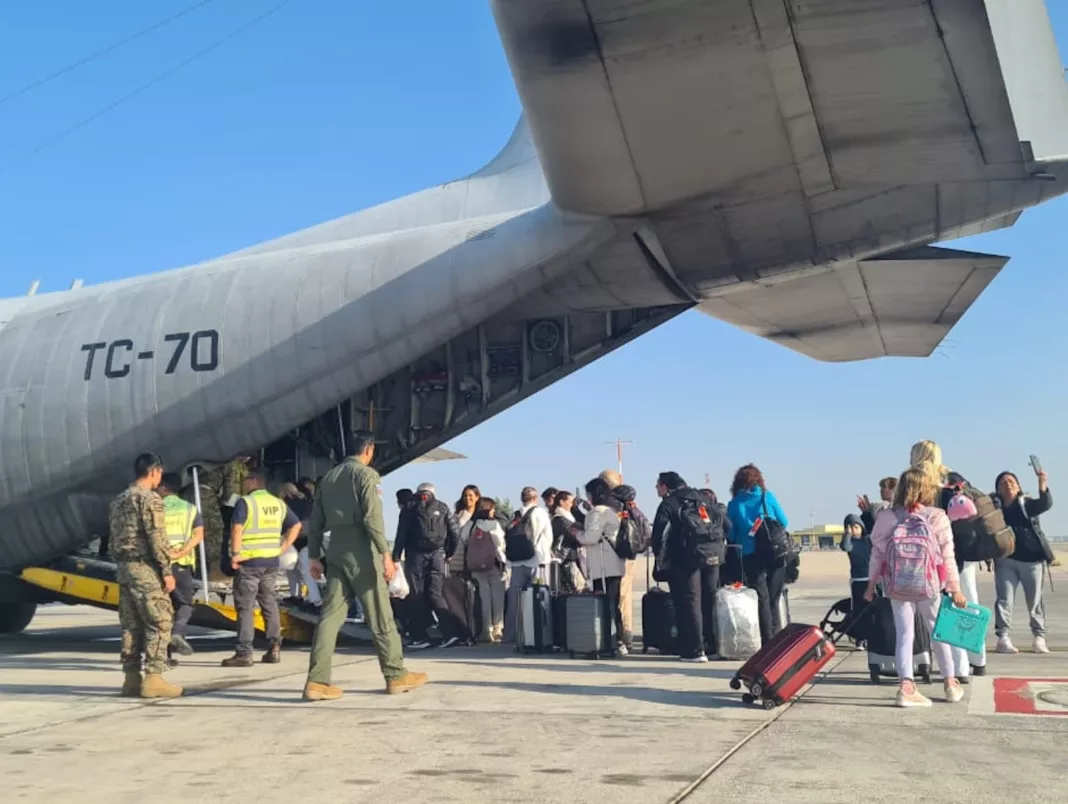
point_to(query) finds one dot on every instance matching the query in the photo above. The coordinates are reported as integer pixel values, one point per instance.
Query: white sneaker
(702, 659)
(1039, 645)
(954, 691)
(1005, 645)
(912, 698)
(448, 643)
(621, 650)
(419, 645)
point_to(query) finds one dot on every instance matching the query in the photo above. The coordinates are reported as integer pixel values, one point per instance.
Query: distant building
(820, 537)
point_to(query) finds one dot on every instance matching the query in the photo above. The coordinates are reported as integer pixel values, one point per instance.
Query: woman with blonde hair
(927, 455)
(914, 514)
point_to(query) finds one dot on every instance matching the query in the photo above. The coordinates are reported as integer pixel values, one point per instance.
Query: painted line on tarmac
(742, 743)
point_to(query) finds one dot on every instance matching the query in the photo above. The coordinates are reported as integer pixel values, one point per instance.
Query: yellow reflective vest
(262, 537)
(180, 516)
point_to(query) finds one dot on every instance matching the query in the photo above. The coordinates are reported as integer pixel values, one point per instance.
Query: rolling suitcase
(589, 623)
(461, 599)
(782, 668)
(660, 631)
(881, 638)
(534, 620)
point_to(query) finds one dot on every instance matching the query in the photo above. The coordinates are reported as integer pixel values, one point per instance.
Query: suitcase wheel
(748, 698)
(873, 673)
(757, 689)
(925, 673)
(769, 704)
(736, 683)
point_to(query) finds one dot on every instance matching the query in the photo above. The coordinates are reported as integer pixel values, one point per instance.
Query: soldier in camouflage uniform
(234, 479)
(211, 484)
(139, 546)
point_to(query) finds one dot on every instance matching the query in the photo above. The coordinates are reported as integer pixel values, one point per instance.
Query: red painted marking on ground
(1013, 696)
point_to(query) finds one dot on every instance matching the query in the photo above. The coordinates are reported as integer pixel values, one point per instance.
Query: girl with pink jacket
(910, 592)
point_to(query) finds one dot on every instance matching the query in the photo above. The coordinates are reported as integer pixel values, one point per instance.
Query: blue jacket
(744, 510)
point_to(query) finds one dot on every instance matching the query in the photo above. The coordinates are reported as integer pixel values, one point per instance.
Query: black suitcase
(881, 637)
(462, 600)
(660, 631)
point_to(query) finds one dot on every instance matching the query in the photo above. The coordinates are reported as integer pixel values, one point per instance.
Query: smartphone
(1036, 464)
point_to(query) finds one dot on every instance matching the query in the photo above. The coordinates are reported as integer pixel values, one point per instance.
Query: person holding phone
(1026, 565)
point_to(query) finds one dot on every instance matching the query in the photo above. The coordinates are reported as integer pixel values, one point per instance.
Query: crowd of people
(567, 542)
(922, 501)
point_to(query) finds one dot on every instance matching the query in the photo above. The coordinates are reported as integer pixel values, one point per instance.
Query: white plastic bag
(288, 561)
(398, 587)
(737, 622)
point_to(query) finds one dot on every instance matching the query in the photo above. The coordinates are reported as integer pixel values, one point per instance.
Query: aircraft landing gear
(14, 617)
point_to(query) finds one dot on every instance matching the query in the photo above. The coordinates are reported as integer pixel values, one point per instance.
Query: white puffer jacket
(602, 525)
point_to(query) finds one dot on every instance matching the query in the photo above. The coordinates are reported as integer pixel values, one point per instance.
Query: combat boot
(180, 644)
(273, 654)
(314, 691)
(156, 686)
(237, 660)
(406, 683)
(131, 684)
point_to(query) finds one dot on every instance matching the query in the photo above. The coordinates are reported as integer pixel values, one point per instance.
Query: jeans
(491, 593)
(905, 624)
(768, 585)
(522, 577)
(626, 605)
(301, 575)
(610, 588)
(969, 587)
(1008, 574)
(254, 585)
(182, 599)
(694, 595)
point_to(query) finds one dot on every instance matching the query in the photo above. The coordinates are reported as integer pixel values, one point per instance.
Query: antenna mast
(619, 443)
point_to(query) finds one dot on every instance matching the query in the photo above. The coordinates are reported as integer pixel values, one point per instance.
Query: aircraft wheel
(14, 617)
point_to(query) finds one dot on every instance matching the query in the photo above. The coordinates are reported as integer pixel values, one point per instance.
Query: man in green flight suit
(348, 504)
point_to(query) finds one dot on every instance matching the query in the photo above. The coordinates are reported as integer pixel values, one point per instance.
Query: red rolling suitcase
(780, 669)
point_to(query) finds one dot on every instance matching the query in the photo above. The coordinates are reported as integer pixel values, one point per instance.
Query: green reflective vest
(262, 537)
(180, 516)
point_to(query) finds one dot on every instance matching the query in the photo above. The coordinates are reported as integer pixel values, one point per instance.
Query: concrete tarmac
(495, 726)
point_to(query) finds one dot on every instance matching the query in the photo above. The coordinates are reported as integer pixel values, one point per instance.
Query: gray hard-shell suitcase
(590, 626)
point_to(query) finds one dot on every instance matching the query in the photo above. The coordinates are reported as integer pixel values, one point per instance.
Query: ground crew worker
(256, 543)
(234, 475)
(348, 504)
(185, 531)
(138, 545)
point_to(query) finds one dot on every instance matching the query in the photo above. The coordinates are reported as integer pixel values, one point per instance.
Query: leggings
(905, 623)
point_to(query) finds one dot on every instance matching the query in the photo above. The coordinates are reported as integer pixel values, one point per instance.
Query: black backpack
(518, 545)
(629, 537)
(430, 518)
(773, 543)
(701, 529)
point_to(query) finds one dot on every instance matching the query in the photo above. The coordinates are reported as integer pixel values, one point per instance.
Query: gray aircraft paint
(747, 157)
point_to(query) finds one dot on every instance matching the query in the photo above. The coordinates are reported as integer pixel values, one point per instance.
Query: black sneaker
(448, 643)
(979, 670)
(420, 644)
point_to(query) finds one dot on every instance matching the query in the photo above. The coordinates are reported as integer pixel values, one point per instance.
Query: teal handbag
(962, 628)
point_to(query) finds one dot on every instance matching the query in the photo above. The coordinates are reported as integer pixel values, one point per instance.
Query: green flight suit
(348, 503)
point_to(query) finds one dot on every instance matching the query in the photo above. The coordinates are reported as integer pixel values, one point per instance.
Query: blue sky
(328, 107)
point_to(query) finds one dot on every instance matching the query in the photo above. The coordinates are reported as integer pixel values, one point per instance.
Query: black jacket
(410, 530)
(667, 519)
(1022, 516)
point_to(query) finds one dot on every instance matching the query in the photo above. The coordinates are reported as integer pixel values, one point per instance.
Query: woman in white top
(606, 568)
(464, 510)
(485, 561)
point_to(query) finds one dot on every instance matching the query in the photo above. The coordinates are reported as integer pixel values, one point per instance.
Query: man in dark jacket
(427, 536)
(689, 534)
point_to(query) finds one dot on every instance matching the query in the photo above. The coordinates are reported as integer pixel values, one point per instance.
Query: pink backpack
(481, 551)
(913, 560)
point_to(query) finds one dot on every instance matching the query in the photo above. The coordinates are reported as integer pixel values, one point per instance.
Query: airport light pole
(619, 443)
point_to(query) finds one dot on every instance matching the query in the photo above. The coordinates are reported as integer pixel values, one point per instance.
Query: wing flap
(901, 304)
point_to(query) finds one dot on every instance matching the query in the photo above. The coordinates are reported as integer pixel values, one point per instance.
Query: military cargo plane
(783, 165)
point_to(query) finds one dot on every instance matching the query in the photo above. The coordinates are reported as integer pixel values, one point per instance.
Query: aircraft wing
(440, 454)
(641, 105)
(900, 304)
